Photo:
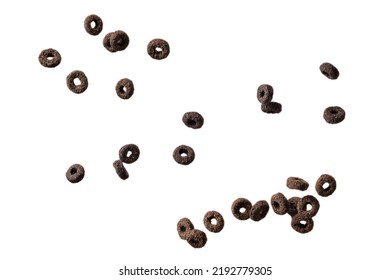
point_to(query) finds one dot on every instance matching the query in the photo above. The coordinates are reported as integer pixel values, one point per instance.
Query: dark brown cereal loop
(241, 208)
(296, 183)
(49, 58)
(119, 40)
(271, 107)
(107, 43)
(196, 238)
(265, 93)
(329, 189)
(193, 120)
(80, 76)
(302, 205)
(129, 153)
(259, 210)
(329, 71)
(279, 204)
(334, 114)
(211, 216)
(93, 24)
(158, 49)
(292, 205)
(184, 155)
(302, 222)
(184, 227)
(75, 173)
(124, 88)
(120, 170)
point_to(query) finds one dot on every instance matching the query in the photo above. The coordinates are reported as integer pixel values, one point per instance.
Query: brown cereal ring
(129, 153)
(75, 173)
(93, 24)
(107, 42)
(49, 58)
(197, 238)
(265, 93)
(120, 170)
(119, 40)
(208, 221)
(184, 226)
(326, 179)
(292, 205)
(77, 75)
(329, 71)
(334, 114)
(308, 200)
(271, 107)
(302, 222)
(279, 204)
(193, 120)
(296, 183)
(238, 205)
(158, 49)
(184, 155)
(124, 88)
(259, 210)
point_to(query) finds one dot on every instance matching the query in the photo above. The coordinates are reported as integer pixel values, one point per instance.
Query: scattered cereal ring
(329, 71)
(279, 204)
(197, 238)
(129, 153)
(334, 114)
(326, 179)
(158, 49)
(184, 154)
(302, 222)
(107, 42)
(77, 75)
(119, 40)
(259, 210)
(208, 221)
(265, 93)
(75, 173)
(292, 205)
(193, 120)
(308, 200)
(241, 204)
(120, 170)
(49, 58)
(271, 107)
(124, 88)
(296, 183)
(184, 226)
(93, 24)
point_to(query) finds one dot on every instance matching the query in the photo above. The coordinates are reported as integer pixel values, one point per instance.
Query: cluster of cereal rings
(301, 209)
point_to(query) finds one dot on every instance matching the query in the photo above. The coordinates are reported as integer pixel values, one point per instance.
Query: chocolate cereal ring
(119, 40)
(296, 183)
(302, 205)
(129, 153)
(329, 71)
(184, 155)
(120, 170)
(241, 208)
(326, 179)
(279, 204)
(271, 107)
(184, 226)
(302, 222)
(107, 42)
(75, 173)
(292, 205)
(93, 24)
(49, 58)
(211, 216)
(193, 120)
(158, 49)
(124, 88)
(77, 75)
(259, 210)
(197, 238)
(334, 114)
(265, 93)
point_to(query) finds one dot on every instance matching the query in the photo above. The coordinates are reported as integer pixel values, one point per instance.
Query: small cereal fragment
(120, 170)
(271, 107)
(329, 189)
(184, 155)
(75, 173)
(329, 71)
(193, 120)
(302, 222)
(241, 208)
(49, 58)
(296, 183)
(279, 204)
(259, 210)
(196, 238)
(184, 226)
(265, 93)
(334, 114)
(158, 49)
(304, 202)
(213, 221)
(93, 24)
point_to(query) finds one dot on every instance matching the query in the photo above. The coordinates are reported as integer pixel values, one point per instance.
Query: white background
(221, 51)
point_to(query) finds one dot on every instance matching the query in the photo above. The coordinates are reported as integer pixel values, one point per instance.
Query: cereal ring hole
(326, 186)
(183, 152)
(73, 171)
(242, 210)
(128, 153)
(308, 207)
(262, 93)
(213, 221)
(276, 204)
(183, 228)
(77, 81)
(302, 223)
(158, 49)
(50, 56)
(93, 24)
(191, 122)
